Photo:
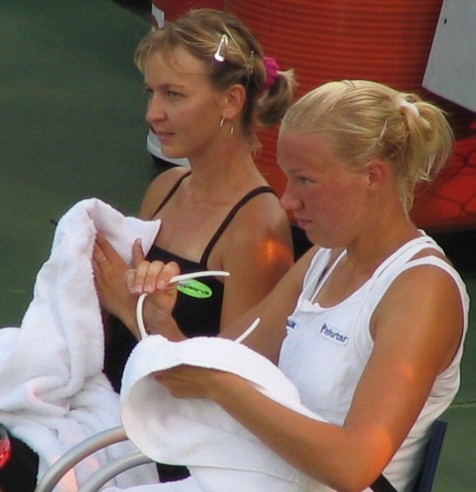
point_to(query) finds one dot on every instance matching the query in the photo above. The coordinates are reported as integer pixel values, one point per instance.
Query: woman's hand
(153, 278)
(186, 381)
(118, 287)
(109, 274)
(147, 277)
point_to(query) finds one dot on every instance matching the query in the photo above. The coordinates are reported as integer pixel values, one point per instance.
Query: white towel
(53, 393)
(221, 454)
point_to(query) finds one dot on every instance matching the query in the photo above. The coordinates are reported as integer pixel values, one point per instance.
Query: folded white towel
(53, 393)
(221, 454)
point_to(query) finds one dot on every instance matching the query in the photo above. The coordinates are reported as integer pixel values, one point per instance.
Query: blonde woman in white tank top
(369, 324)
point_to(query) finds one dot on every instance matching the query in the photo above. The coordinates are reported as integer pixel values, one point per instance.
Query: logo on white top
(290, 324)
(333, 334)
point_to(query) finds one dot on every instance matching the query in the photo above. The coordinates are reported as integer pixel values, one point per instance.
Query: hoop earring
(232, 128)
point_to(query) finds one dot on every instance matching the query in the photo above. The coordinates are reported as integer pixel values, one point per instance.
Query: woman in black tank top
(205, 74)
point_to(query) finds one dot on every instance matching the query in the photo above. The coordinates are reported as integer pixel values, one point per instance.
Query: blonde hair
(200, 31)
(366, 120)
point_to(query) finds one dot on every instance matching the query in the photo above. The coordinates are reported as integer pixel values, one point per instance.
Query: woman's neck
(224, 172)
(374, 247)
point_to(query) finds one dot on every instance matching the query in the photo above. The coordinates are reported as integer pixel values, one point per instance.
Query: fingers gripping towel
(53, 393)
(220, 453)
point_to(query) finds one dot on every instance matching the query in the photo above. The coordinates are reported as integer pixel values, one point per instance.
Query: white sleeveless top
(326, 350)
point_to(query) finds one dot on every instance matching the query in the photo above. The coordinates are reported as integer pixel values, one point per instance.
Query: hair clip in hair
(410, 106)
(251, 62)
(220, 53)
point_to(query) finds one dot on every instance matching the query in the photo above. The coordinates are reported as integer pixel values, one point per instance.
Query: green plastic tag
(195, 288)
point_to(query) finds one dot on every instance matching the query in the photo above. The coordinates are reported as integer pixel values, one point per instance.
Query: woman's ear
(234, 101)
(377, 173)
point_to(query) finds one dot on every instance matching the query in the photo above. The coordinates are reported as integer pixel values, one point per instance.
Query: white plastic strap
(139, 317)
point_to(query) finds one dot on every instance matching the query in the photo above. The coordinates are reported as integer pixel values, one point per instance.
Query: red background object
(384, 40)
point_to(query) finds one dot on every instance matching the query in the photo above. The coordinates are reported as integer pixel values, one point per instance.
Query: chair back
(427, 475)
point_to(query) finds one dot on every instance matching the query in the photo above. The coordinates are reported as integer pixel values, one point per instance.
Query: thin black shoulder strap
(229, 218)
(382, 485)
(171, 192)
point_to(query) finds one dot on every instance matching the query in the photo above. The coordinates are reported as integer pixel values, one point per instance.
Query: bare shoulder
(429, 280)
(423, 286)
(158, 189)
(256, 248)
(261, 215)
(260, 230)
(422, 308)
(426, 280)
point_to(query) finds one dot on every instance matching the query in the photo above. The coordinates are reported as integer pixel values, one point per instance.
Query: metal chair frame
(135, 458)
(86, 448)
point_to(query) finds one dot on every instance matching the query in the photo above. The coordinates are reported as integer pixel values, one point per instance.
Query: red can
(5, 447)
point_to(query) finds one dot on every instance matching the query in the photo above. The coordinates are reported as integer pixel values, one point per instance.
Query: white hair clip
(410, 106)
(220, 53)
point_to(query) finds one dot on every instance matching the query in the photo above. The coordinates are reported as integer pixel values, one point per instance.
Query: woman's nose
(289, 200)
(154, 111)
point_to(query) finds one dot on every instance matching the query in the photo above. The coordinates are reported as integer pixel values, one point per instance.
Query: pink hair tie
(271, 72)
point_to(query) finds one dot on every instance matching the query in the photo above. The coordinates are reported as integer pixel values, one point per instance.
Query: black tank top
(197, 310)
(199, 303)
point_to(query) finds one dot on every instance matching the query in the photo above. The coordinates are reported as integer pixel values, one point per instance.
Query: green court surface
(72, 127)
